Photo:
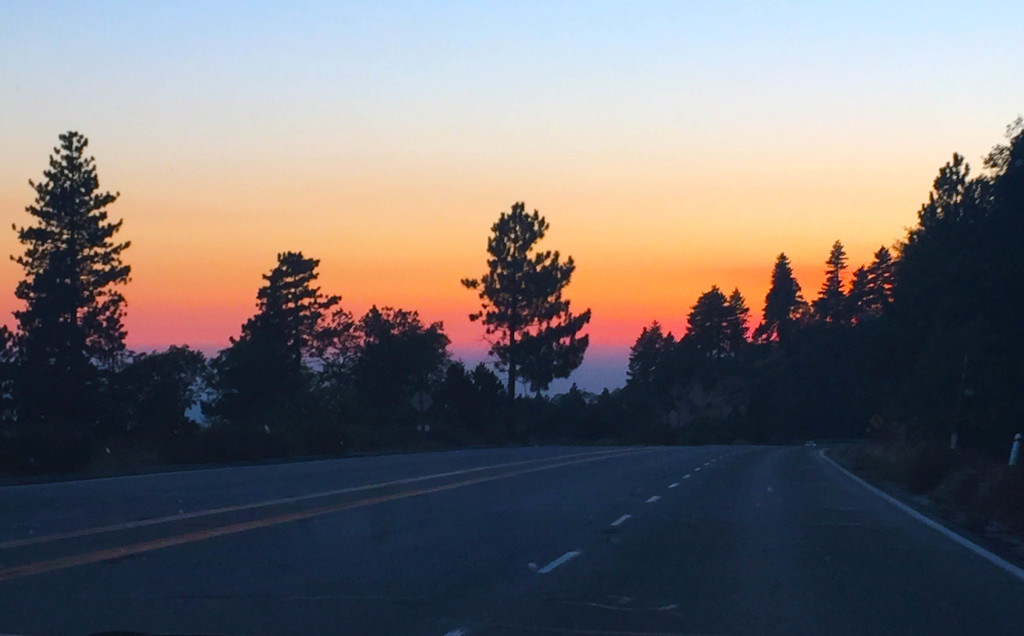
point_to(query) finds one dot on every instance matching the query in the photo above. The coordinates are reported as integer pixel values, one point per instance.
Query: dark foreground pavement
(716, 540)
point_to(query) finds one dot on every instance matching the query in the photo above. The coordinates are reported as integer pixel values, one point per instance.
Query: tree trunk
(510, 422)
(511, 365)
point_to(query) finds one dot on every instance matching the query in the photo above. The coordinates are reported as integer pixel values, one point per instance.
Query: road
(704, 540)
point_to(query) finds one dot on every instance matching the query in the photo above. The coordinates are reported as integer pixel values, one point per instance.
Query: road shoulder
(984, 547)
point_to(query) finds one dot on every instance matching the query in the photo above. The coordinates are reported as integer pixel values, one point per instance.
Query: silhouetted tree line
(304, 377)
(925, 341)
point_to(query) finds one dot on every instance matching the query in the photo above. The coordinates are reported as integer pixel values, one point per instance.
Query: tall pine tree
(263, 377)
(648, 355)
(535, 334)
(739, 320)
(879, 283)
(783, 304)
(831, 302)
(71, 327)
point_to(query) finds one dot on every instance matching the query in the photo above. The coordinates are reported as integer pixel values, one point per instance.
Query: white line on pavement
(620, 520)
(997, 561)
(653, 498)
(686, 476)
(673, 484)
(565, 558)
(696, 469)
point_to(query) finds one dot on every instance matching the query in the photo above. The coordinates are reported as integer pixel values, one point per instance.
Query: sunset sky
(671, 146)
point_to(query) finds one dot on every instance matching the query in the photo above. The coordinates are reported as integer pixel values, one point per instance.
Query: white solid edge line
(653, 498)
(568, 556)
(620, 520)
(992, 558)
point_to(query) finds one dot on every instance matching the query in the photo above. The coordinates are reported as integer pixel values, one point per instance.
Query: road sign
(421, 401)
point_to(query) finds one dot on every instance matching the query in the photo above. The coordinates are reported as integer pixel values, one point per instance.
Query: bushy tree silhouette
(534, 332)
(830, 306)
(397, 356)
(1003, 233)
(739, 320)
(876, 284)
(72, 322)
(855, 305)
(8, 375)
(473, 397)
(783, 304)
(712, 323)
(266, 371)
(154, 391)
(943, 272)
(648, 355)
(957, 300)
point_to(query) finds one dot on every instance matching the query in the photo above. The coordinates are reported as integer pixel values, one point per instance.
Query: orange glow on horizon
(620, 307)
(646, 242)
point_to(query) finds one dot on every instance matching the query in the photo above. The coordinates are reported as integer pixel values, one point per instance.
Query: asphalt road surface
(706, 540)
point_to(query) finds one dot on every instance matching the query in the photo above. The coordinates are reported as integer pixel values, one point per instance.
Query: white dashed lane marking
(565, 558)
(572, 554)
(620, 520)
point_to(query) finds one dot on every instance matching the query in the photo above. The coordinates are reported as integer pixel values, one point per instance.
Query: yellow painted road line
(42, 567)
(85, 532)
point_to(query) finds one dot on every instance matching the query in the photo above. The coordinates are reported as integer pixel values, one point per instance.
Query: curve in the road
(989, 556)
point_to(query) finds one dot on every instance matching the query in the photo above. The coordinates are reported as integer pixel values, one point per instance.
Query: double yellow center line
(505, 471)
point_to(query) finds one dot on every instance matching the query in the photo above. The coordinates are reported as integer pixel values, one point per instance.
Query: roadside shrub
(1004, 487)
(968, 487)
(926, 465)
